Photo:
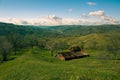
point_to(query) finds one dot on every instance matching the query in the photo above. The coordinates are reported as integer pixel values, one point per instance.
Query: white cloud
(55, 20)
(97, 13)
(91, 3)
(109, 18)
(101, 14)
(47, 20)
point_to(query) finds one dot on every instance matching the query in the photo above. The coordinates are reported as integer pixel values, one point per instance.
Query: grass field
(37, 64)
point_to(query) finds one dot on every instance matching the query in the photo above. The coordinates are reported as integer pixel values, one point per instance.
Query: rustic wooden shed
(75, 52)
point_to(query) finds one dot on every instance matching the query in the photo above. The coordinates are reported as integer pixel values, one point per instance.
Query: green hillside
(28, 52)
(11, 29)
(97, 41)
(78, 30)
(37, 64)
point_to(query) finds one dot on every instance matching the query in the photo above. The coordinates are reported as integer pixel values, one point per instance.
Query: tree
(57, 46)
(42, 43)
(5, 49)
(15, 40)
(30, 41)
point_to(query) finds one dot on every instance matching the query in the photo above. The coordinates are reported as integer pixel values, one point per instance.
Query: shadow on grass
(8, 60)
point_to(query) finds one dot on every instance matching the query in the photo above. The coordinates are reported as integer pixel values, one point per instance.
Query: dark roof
(74, 52)
(75, 49)
(72, 55)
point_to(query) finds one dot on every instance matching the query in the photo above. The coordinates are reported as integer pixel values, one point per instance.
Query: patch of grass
(37, 64)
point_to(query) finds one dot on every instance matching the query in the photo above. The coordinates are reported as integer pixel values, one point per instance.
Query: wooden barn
(75, 52)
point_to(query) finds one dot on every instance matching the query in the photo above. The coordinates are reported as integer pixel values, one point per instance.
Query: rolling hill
(33, 61)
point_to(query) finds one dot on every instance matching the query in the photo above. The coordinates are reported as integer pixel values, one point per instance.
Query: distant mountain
(57, 31)
(10, 29)
(84, 30)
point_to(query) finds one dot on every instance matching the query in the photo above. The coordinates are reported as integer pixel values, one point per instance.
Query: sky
(60, 12)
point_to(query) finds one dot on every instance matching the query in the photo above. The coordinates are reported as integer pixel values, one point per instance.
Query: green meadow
(28, 52)
(37, 64)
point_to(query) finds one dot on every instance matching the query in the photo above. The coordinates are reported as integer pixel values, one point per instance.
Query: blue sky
(62, 8)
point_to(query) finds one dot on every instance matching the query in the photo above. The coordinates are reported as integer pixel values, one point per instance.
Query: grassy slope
(76, 30)
(37, 64)
(41, 66)
(101, 40)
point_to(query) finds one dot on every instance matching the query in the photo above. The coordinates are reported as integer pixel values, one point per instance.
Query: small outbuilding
(73, 53)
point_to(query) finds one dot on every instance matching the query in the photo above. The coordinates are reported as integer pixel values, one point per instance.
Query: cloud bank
(101, 14)
(86, 19)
